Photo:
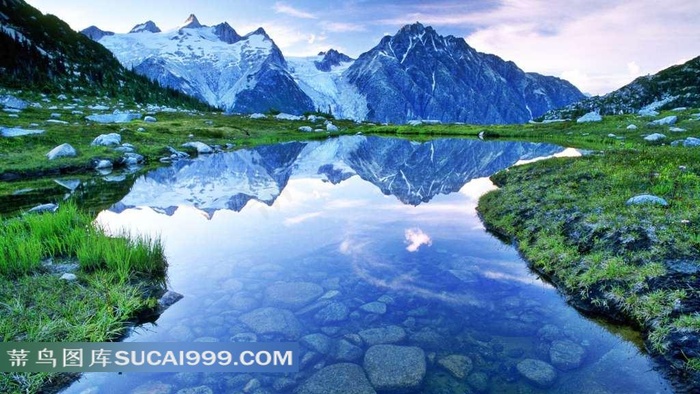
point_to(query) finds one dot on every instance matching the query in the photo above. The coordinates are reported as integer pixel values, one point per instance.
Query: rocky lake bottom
(381, 270)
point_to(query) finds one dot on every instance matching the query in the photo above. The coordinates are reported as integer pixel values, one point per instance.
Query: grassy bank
(638, 264)
(116, 281)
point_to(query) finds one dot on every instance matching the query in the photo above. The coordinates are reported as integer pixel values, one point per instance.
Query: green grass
(116, 276)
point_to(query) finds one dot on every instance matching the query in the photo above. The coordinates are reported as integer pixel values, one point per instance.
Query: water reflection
(384, 235)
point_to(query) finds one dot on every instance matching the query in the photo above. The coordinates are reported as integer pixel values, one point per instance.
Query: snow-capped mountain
(236, 73)
(413, 172)
(418, 74)
(415, 74)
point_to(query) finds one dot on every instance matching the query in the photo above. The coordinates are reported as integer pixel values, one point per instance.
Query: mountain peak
(226, 33)
(95, 33)
(260, 32)
(192, 23)
(330, 59)
(148, 26)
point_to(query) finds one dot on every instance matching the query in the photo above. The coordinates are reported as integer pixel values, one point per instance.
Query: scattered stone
(258, 116)
(691, 142)
(343, 378)
(538, 372)
(667, 121)
(395, 368)
(383, 335)
(201, 147)
(593, 116)
(63, 150)
(331, 127)
(676, 129)
(17, 132)
(69, 277)
(111, 139)
(646, 199)
(654, 137)
(270, 320)
(292, 295)
(153, 388)
(566, 354)
(283, 116)
(456, 364)
(374, 307)
(631, 127)
(150, 119)
(306, 129)
(319, 343)
(332, 313)
(103, 164)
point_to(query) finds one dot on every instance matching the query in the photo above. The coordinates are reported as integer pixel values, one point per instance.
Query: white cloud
(415, 238)
(343, 27)
(286, 9)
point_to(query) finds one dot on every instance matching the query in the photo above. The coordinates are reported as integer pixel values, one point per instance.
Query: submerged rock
(566, 354)
(383, 335)
(344, 378)
(273, 321)
(395, 368)
(292, 295)
(537, 372)
(333, 313)
(374, 307)
(457, 365)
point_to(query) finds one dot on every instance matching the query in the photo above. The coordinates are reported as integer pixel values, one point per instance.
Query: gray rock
(63, 150)
(150, 119)
(69, 277)
(319, 343)
(332, 313)
(103, 164)
(258, 116)
(566, 355)
(17, 132)
(538, 372)
(292, 295)
(395, 368)
(344, 378)
(331, 127)
(590, 117)
(383, 335)
(654, 137)
(274, 321)
(374, 307)
(631, 127)
(116, 117)
(346, 351)
(8, 101)
(646, 199)
(201, 147)
(457, 365)
(306, 129)
(44, 208)
(691, 142)
(168, 299)
(132, 159)
(667, 121)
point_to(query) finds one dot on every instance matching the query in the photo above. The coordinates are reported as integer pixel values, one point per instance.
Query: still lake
(359, 242)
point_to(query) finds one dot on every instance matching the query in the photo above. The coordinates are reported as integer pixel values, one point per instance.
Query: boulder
(150, 119)
(258, 116)
(691, 142)
(319, 343)
(457, 365)
(566, 354)
(331, 127)
(17, 132)
(8, 101)
(667, 121)
(346, 351)
(68, 277)
(292, 295)
(383, 335)
(647, 112)
(306, 129)
(273, 321)
(395, 368)
(590, 117)
(283, 116)
(538, 372)
(103, 164)
(654, 137)
(132, 159)
(332, 313)
(111, 139)
(343, 378)
(631, 127)
(646, 199)
(63, 150)
(116, 117)
(201, 147)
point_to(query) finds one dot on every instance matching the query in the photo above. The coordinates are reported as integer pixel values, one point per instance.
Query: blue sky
(599, 45)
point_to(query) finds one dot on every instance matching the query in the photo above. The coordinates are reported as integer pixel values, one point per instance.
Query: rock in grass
(257, 116)
(631, 127)
(111, 139)
(590, 117)
(647, 199)
(395, 368)
(331, 127)
(201, 147)
(63, 150)
(150, 119)
(691, 142)
(538, 372)
(676, 129)
(103, 164)
(343, 378)
(69, 277)
(306, 129)
(44, 208)
(654, 137)
(667, 121)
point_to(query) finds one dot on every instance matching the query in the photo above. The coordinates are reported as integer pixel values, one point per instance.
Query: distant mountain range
(676, 86)
(41, 52)
(415, 74)
(412, 172)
